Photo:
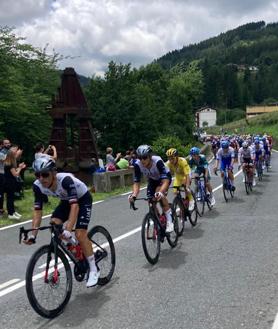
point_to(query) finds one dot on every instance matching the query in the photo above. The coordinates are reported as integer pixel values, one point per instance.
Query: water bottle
(162, 218)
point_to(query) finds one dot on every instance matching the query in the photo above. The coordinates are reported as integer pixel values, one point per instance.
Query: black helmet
(143, 151)
(43, 164)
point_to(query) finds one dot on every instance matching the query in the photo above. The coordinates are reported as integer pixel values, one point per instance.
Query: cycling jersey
(245, 154)
(180, 170)
(158, 170)
(258, 152)
(69, 190)
(199, 166)
(225, 158)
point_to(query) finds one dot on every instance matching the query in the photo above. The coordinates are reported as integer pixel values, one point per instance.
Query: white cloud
(95, 32)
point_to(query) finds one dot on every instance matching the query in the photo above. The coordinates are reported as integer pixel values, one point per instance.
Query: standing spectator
(2, 158)
(41, 151)
(110, 160)
(11, 172)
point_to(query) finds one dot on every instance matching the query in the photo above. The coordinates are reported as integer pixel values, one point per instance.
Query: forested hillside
(239, 67)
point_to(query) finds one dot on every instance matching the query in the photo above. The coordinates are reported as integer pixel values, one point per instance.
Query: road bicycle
(180, 209)
(153, 230)
(248, 176)
(227, 187)
(49, 274)
(202, 197)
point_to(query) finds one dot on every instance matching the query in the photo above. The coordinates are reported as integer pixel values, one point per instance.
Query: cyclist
(258, 151)
(74, 208)
(179, 167)
(159, 180)
(199, 164)
(266, 147)
(245, 155)
(225, 156)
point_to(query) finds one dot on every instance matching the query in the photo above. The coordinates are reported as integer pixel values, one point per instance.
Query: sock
(92, 263)
(168, 214)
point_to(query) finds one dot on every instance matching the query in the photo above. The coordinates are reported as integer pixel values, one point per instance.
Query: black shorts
(247, 160)
(152, 186)
(84, 215)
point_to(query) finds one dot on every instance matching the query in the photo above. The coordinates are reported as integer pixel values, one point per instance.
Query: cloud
(95, 32)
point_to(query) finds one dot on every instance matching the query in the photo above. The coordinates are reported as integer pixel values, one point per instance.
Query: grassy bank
(264, 123)
(25, 205)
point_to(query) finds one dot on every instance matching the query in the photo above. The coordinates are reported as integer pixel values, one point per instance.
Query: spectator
(2, 158)
(41, 151)
(122, 164)
(110, 160)
(11, 172)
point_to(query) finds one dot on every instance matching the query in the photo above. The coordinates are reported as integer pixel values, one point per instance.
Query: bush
(162, 144)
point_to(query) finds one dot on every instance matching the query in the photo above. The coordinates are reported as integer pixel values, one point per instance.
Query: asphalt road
(221, 275)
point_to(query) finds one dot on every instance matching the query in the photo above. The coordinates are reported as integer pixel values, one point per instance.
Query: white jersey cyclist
(69, 188)
(157, 171)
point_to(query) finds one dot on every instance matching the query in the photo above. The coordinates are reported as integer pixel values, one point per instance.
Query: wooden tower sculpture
(72, 132)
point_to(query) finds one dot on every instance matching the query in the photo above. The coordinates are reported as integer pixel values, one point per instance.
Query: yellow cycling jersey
(180, 170)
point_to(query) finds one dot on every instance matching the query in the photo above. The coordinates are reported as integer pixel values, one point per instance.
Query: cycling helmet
(143, 150)
(43, 164)
(264, 139)
(257, 142)
(172, 152)
(244, 145)
(225, 144)
(195, 151)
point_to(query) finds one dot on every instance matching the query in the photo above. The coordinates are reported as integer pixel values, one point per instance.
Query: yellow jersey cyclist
(74, 209)
(199, 165)
(159, 180)
(180, 169)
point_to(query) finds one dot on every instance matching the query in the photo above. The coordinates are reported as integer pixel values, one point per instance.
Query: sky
(94, 32)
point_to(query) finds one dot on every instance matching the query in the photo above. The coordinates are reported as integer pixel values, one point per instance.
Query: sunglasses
(42, 174)
(144, 157)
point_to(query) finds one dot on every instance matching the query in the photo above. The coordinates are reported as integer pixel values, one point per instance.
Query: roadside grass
(25, 205)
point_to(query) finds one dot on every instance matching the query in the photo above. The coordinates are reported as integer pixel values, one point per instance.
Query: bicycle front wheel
(193, 215)
(179, 213)
(172, 237)
(150, 234)
(48, 286)
(104, 252)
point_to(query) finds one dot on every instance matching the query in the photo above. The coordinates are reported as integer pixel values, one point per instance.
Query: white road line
(275, 323)
(8, 283)
(119, 238)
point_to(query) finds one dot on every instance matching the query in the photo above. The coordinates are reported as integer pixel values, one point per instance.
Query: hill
(239, 67)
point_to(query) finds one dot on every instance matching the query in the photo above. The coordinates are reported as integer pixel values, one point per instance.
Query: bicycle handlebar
(132, 203)
(24, 232)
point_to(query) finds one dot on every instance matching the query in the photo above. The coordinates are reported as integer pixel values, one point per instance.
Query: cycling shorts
(225, 163)
(152, 186)
(84, 215)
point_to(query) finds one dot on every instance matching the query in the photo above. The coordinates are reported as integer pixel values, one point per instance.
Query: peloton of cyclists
(74, 209)
(180, 169)
(159, 180)
(225, 157)
(199, 165)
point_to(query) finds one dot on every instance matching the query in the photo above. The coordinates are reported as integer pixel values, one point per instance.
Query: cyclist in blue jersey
(159, 180)
(258, 151)
(74, 209)
(225, 156)
(266, 148)
(199, 165)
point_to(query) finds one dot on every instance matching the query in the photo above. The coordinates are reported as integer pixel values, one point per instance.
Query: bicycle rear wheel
(179, 213)
(150, 234)
(48, 288)
(104, 252)
(201, 201)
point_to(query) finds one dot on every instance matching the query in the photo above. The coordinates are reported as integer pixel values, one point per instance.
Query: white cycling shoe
(92, 279)
(191, 205)
(169, 227)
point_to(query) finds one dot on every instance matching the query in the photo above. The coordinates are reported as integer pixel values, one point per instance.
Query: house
(205, 117)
